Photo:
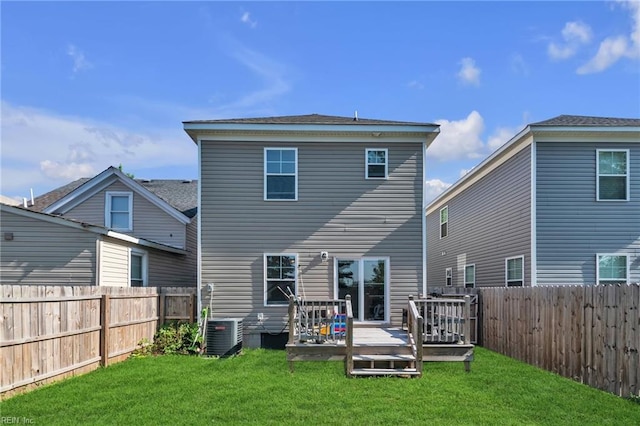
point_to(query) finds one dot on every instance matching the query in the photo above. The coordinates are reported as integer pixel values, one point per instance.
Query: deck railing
(445, 320)
(317, 320)
(415, 327)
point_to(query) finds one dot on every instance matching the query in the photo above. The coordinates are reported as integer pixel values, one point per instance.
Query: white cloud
(246, 19)
(459, 139)
(500, 136)
(40, 148)
(415, 84)
(519, 65)
(80, 63)
(614, 48)
(574, 35)
(463, 172)
(469, 73)
(433, 188)
(271, 72)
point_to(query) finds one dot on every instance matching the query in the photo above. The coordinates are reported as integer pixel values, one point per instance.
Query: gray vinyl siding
(114, 261)
(45, 253)
(149, 221)
(572, 227)
(488, 222)
(337, 211)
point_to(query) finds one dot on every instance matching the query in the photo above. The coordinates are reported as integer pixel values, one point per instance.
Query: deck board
(380, 336)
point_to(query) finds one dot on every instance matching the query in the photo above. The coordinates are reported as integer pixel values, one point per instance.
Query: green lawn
(257, 387)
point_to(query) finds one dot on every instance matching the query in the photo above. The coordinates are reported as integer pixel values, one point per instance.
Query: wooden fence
(588, 333)
(51, 332)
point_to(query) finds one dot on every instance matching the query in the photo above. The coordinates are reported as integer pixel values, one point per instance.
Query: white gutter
(144, 243)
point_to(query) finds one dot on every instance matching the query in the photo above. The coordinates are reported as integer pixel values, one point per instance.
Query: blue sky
(86, 85)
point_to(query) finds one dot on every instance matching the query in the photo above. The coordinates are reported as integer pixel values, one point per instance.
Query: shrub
(170, 339)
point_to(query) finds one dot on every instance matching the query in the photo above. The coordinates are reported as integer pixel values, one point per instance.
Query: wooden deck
(370, 350)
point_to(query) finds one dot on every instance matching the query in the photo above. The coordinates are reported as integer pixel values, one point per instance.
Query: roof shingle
(308, 119)
(587, 121)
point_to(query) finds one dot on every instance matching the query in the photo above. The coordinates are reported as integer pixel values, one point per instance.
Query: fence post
(467, 319)
(192, 308)
(161, 309)
(105, 307)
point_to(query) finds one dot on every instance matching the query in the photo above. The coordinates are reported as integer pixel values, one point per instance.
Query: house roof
(557, 126)
(179, 193)
(587, 121)
(96, 229)
(310, 119)
(308, 128)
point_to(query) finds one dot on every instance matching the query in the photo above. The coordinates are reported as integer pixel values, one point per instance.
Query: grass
(256, 387)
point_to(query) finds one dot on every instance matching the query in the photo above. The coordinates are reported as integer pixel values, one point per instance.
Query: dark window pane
(376, 170)
(281, 187)
(443, 230)
(613, 188)
(277, 291)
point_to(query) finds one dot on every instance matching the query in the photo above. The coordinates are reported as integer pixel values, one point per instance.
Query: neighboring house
(324, 206)
(159, 211)
(558, 204)
(39, 248)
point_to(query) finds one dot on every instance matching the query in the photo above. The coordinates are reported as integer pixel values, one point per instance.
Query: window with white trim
(281, 174)
(444, 221)
(612, 268)
(138, 268)
(377, 164)
(469, 276)
(448, 277)
(118, 214)
(612, 182)
(280, 277)
(514, 271)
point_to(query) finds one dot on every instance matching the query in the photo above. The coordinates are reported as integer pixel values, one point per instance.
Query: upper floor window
(612, 269)
(613, 175)
(444, 221)
(470, 276)
(281, 174)
(514, 268)
(377, 165)
(118, 213)
(448, 276)
(138, 268)
(280, 277)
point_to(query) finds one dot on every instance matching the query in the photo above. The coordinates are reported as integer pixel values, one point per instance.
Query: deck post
(467, 319)
(349, 337)
(292, 320)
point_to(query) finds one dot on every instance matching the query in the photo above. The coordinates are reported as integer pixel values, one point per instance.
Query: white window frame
(598, 255)
(598, 175)
(264, 272)
(473, 283)
(367, 164)
(295, 174)
(444, 223)
(448, 277)
(145, 266)
(506, 270)
(107, 209)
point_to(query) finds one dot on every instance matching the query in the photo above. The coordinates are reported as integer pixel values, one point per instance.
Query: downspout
(423, 212)
(199, 236)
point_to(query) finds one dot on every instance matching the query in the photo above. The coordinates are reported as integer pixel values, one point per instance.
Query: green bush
(170, 339)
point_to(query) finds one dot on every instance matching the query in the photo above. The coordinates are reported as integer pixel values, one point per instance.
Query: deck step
(384, 357)
(385, 372)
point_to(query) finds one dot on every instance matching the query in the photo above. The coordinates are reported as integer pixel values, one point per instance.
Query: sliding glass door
(366, 280)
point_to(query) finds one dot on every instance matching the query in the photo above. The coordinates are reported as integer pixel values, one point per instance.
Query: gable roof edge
(94, 185)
